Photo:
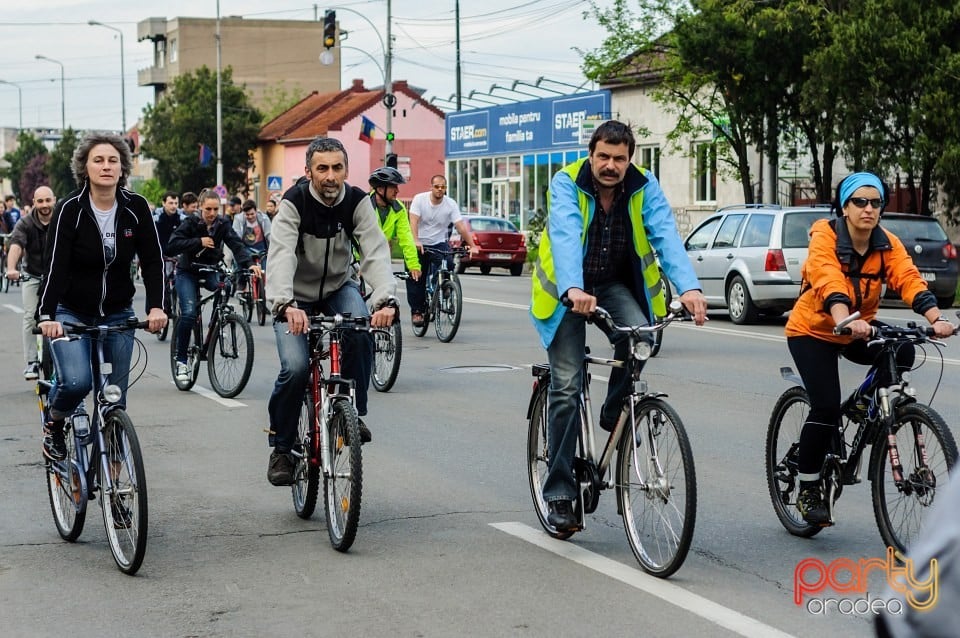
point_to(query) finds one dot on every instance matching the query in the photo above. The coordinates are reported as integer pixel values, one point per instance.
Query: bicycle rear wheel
(125, 506)
(230, 358)
(901, 509)
(780, 459)
(162, 335)
(657, 488)
(387, 350)
(421, 330)
(259, 300)
(246, 303)
(193, 354)
(344, 486)
(538, 459)
(448, 308)
(306, 475)
(67, 489)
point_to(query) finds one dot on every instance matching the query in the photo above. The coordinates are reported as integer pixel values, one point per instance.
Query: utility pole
(389, 100)
(219, 109)
(457, 21)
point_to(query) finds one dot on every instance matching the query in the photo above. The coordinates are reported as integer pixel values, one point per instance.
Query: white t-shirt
(434, 220)
(106, 219)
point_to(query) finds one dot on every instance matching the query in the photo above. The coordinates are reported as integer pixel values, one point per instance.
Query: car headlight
(641, 350)
(112, 393)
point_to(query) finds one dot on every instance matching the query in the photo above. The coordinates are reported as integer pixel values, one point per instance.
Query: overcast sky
(501, 41)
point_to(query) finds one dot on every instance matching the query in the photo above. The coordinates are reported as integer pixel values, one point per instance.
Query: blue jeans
(565, 355)
(188, 294)
(430, 263)
(71, 358)
(356, 363)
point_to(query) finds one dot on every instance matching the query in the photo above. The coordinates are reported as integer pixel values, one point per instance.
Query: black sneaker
(561, 515)
(121, 514)
(811, 506)
(54, 442)
(280, 469)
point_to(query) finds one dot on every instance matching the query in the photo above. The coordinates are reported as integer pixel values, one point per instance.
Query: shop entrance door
(501, 198)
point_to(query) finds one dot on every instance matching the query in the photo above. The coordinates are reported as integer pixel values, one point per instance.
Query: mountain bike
(170, 299)
(328, 434)
(227, 346)
(655, 479)
(103, 455)
(252, 296)
(912, 449)
(444, 298)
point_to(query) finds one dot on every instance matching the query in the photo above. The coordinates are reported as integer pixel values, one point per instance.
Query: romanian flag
(205, 155)
(366, 129)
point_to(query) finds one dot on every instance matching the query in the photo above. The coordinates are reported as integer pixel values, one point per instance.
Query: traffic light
(391, 160)
(329, 28)
(391, 136)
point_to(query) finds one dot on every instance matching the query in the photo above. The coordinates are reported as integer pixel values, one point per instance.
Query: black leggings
(817, 363)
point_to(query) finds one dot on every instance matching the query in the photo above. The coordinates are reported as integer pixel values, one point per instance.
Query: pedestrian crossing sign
(274, 183)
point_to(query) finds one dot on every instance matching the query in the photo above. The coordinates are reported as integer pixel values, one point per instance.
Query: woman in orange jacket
(849, 260)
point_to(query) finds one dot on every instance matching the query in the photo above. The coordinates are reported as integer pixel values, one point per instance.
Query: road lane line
(213, 396)
(662, 589)
(16, 309)
(500, 304)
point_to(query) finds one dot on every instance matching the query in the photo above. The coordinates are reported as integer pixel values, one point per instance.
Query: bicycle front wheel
(448, 307)
(230, 359)
(68, 492)
(927, 453)
(162, 335)
(259, 300)
(343, 487)
(657, 488)
(125, 504)
(306, 475)
(538, 458)
(780, 459)
(387, 349)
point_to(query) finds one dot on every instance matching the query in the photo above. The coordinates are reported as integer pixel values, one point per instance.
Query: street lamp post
(19, 99)
(63, 103)
(123, 95)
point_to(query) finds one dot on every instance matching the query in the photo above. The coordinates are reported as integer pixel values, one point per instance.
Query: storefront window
(486, 168)
(513, 212)
(473, 181)
(453, 181)
(486, 198)
(513, 169)
(500, 166)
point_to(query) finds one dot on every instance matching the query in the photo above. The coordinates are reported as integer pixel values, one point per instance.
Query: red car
(501, 245)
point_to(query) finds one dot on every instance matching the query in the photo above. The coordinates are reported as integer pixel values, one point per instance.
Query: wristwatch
(941, 318)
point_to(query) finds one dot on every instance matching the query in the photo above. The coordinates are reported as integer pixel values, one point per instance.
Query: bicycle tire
(448, 309)
(162, 335)
(900, 512)
(126, 534)
(387, 352)
(256, 287)
(67, 489)
(306, 475)
(538, 458)
(230, 348)
(421, 330)
(343, 489)
(659, 513)
(44, 358)
(193, 349)
(246, 303)
(783, 438)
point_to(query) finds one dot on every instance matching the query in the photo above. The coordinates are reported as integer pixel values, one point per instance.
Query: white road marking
(662, 589)
(213, 396)
(500, 304)
(16, 309)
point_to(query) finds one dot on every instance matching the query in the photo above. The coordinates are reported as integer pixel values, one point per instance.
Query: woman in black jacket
(199, 240)
(95, 233)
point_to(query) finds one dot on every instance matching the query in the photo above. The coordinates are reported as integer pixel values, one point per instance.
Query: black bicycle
(227, 346)
(103, 455)
(912, 449)
(444, 298)
(170, 299)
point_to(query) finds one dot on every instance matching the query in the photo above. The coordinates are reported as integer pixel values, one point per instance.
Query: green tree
(152, 190)
(185, 118)
(28, 147)
(279, 99)
(34, 174)
(59, 165)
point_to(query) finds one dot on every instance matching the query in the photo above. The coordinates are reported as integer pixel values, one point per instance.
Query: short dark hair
(613, 132)
(167, 195)
(79, 161)
(188, 198)
(235, 200)
(9, 198)
(326, 145)
(249, 205)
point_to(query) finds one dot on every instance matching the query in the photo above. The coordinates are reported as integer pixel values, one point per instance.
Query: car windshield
(919, 229)
(492, 226)
(796, 227)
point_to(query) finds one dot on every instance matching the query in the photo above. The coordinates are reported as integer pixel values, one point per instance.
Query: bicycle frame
(221, 307)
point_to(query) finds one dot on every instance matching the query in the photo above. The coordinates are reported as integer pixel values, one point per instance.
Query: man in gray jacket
(311, 273)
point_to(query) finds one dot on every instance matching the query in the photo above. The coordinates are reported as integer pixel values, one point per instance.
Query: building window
(173, 50)
(160, 54)
(649, 157)
(706, 174)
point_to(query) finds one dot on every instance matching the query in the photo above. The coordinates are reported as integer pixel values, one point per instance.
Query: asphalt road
(448, 541)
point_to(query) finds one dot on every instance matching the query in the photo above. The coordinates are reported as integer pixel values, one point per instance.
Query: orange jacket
(829, 271)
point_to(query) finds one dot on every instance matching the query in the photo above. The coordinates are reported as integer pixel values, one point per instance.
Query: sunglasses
(861, 202)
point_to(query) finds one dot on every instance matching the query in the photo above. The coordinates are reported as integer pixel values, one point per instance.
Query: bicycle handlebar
(82, 328)
(676, 313)
(460, 250)
(910, 332)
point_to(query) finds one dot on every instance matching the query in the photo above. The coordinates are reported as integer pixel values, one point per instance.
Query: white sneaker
(31, 372)
(183, 372)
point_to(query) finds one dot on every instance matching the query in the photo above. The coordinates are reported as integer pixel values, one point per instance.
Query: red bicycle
(253, 296)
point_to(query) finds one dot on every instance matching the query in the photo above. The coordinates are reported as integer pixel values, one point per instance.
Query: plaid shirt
(608, 243)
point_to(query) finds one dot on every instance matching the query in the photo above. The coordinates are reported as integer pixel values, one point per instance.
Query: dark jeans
(565, 355)
(356, 363)
(818, 365)
(188, 294)
(430, 262)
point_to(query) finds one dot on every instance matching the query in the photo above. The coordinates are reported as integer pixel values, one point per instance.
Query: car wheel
(740, 305)
(484, 270)
(461, 268)
(516, 270)
(945, 302)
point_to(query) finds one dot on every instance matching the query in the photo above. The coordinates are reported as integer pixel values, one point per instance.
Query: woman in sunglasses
(850, 259)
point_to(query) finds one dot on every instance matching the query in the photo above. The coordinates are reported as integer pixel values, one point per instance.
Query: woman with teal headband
(850, 259)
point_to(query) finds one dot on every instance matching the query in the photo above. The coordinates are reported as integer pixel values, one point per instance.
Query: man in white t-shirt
(431, 215)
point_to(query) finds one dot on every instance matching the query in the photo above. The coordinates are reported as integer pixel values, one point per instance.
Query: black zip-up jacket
(79, 275)
(186, 242)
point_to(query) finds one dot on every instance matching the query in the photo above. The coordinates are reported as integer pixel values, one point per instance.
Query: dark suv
(931, 250)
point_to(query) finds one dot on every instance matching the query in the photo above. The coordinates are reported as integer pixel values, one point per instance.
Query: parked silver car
(748, 257)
